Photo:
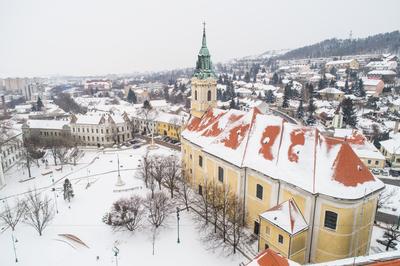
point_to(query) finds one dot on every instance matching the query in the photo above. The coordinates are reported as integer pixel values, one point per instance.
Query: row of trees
(221, 214)
(35, 210)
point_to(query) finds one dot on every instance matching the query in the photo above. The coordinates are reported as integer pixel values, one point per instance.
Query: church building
(307, 196)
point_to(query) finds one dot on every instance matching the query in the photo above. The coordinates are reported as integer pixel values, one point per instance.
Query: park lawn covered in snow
(83, 219)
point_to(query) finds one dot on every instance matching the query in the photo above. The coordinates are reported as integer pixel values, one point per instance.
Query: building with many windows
(308, 196)
(99, 129)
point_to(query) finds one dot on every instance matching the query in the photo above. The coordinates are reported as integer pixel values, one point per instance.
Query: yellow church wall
(287, 194)
(256, 206)
(351, 231)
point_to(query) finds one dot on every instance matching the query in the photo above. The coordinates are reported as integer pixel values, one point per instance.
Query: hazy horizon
(99, 37)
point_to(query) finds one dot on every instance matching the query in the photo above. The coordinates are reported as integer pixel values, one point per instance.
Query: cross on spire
(204, 42)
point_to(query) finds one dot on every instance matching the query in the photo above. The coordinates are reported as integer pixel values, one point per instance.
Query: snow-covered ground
(392, 205)
(83, 218)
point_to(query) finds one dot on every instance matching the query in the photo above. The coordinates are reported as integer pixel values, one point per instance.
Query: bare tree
(215, 192)
(172, 173)
(12, 216)
(384, 198)
(158, 169)
(225, 202)
(144, 171)
(237, 218)
(392, 234)
(148, 115)
(39, 211)
(185, 191)
(127, 213)
(59, 147)
(203, 202)
(158, 208)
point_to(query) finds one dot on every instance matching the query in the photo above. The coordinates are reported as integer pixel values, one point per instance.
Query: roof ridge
(256, 111)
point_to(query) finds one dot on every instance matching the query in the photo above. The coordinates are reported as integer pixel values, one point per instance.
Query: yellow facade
(167, 129)
(373, 163)
(352, 234)
(292, 247)
(255, 205)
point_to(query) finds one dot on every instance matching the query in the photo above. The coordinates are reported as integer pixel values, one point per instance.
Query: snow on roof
(339, 62)
(269, 257)
(47, 124)
(169, 118)
(331, 90)
(392, 145)
(286, 216)
(89, 119)
(381, 72)
(295, 154)
(371, 82)
(393, 257)
(361, 146)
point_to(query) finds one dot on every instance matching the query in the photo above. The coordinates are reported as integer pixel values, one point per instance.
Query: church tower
(204, 82)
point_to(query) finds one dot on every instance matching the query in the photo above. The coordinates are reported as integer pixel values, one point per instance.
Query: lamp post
(177, 219)
(119, 179)
(116, 251)
(15, 249)
(55, 194)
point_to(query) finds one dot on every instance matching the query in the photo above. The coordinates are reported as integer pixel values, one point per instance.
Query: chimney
(3, 101)
(396, 127)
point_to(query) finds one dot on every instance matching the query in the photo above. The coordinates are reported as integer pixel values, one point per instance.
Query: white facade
(101, 129)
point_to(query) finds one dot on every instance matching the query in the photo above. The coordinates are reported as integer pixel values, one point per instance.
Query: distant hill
(380, 43)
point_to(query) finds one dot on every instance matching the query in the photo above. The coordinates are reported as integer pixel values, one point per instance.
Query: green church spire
(204, 66)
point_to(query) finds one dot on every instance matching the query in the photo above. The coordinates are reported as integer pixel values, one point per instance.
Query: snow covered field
(83, 218)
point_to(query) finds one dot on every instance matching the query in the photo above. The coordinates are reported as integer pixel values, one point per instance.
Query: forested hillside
(380, 43)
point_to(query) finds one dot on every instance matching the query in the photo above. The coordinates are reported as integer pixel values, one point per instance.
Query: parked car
(384, 172)
(136, 146)
(375, 171)
(394, 173)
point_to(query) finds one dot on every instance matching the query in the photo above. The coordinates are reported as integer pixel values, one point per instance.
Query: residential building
(169, 125)
(331, 94)
(364, 149)
(391, 150)
(97, 129)
(347, 63)
(373, 87)
(326, 195)
(96, 85)
(10, 153)
(46, 129)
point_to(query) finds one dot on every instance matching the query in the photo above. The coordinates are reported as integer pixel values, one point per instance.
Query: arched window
(209, 95)
(195, 95)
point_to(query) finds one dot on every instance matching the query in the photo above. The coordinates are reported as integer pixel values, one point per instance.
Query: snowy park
(78, 235)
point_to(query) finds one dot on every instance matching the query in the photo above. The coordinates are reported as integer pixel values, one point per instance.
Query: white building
(101, 129)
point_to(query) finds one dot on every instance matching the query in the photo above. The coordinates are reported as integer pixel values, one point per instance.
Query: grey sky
(82, 37)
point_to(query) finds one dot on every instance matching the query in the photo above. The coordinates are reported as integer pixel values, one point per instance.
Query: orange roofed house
(308, 197)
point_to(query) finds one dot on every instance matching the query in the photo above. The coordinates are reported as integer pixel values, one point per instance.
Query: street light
(177, 219)
(15, 249)
(119, 180)
(116, 251)
(55, 195)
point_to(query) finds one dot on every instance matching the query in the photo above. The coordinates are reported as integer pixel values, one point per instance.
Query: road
(386, 218)
(394, 182)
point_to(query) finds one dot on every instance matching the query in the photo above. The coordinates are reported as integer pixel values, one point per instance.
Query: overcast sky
(85, 37)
